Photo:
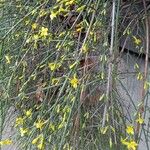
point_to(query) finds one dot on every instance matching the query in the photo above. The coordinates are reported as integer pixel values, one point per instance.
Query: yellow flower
(55, 81)
(74, 82)
(61, 9)
(40, 124)
(139, 76)
(124, 141)
(104, 130)
(79, 29)
(136, 40)
(131, 145)
(42, 13)
(8, 58)
(140, 120)
(146, 85)
(53, 15)
(35, 141)
(54, 66)
(19, 121)
(40, 146)
(70, 2)
(39, 141)
(5, 142)
(23, 131)
(130, 130)
(44, 32)
(34, 26)
(28, 113)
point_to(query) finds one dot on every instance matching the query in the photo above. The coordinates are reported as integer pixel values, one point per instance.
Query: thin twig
(109, 80)
(143, 91)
